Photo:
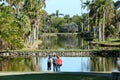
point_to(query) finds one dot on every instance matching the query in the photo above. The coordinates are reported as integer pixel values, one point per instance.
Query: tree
(32, 9)
(26, 17)
(77, 19)
(116, 19)
(67, 18)
(57, 23)
(57, 14)
(70, 27)
(9, 31)
(98, 10)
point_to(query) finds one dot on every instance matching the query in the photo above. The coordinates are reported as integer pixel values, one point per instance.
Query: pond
(67, 41)
(63, 42)
(70, 64)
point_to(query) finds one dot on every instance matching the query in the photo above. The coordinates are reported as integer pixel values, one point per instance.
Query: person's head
(54, 54)
(49, 56)
(58, 56)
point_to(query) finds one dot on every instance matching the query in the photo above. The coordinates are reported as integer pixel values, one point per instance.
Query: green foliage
(77, 19)
(23, 22)
(110, 31)
(9, 32)
(17, 20)
(48, 29)
(117, 4)
(71, 27)
(57, 22)
(31, 7)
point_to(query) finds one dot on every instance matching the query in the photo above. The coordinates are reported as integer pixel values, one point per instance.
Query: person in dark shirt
(49, 62)
(54, 61)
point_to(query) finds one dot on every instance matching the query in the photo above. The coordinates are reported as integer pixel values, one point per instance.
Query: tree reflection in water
(76, 64)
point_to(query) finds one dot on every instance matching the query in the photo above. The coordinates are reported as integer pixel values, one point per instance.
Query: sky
(71, 7)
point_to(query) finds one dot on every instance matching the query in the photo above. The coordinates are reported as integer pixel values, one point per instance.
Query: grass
(55, 50)
(55, 77)
(108, 42)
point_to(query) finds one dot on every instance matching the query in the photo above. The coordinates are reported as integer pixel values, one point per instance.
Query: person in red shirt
(59, 63)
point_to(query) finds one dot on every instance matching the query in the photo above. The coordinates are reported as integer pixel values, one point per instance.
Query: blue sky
(71, 7)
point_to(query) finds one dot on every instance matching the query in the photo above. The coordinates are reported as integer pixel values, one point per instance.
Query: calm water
(66, 41)
(63, 41)
(70, 64)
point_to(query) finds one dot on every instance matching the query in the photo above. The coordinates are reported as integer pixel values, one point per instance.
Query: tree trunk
(88, 24)
(99, 33)
(94, 29)
(34, 33)
(118, 29)
(103, 28)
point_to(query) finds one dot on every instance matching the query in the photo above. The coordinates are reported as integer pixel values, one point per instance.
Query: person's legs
(54, 67)
(49, 66)
(58, 68)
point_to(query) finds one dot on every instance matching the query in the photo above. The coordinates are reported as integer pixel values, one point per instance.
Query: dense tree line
(102, 20)
(22, 21)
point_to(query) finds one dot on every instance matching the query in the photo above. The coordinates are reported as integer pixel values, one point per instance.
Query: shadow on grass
(55, 76)
(116, 41)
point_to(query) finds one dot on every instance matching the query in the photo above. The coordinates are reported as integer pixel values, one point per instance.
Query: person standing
(49, 62)
(54, 60)
(59, 63)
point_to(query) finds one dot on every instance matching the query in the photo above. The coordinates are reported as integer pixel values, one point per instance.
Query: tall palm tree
(116, 20)
(107, 9)
(32, 9)
(98, 11)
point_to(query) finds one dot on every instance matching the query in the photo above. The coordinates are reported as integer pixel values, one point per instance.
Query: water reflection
(70, 64)
(73, 64)
(67, 42)
(63, 41)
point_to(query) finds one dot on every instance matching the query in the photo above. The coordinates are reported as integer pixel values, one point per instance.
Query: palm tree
(57, 14)
(108, 9)
(117, 5)
(98, 10)
(32, 9)
(116, 20)
(27, 17)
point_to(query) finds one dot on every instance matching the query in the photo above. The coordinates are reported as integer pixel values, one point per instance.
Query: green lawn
(55, 77)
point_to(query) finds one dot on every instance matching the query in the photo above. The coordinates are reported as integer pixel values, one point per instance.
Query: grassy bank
(55, 76)
(108, 42)
(66, 50)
